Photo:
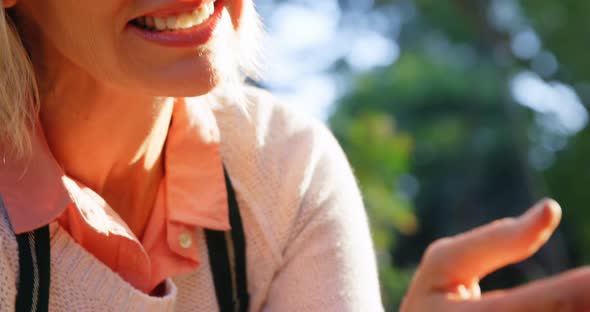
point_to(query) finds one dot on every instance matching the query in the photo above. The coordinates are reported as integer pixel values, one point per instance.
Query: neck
(109, 140)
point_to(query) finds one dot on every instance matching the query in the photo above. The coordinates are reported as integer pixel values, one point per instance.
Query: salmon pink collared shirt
(192, 194)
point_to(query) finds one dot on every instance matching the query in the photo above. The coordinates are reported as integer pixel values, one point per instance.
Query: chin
(194, 73)
(218, 65)
(182, 86)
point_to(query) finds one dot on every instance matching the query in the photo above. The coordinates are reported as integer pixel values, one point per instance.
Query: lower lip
(183, 38)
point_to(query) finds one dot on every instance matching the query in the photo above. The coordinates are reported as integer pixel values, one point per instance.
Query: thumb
(466, 258)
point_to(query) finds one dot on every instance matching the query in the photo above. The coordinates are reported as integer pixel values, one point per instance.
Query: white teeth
(171, 22)
(160, 23)
(200, 14)
(181, 21)
(184, 21)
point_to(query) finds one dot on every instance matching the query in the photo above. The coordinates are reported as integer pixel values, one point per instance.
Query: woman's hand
(449, 274)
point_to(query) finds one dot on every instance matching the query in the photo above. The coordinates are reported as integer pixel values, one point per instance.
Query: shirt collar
(34, 192)
(195, 183)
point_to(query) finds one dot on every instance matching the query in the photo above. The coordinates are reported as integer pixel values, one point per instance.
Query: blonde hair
(19, 100)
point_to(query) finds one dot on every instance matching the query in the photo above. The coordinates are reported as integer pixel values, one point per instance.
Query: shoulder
(261, 120)
(8, 248)
(267, 139)
(280, 161)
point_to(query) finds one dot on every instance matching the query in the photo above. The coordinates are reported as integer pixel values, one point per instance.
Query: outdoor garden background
(452, 114)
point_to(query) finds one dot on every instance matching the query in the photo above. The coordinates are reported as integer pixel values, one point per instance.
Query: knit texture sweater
(308, 246)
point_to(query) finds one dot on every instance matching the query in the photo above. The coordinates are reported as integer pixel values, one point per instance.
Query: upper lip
(175, 7)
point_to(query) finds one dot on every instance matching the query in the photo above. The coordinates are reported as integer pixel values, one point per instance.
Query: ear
(8, 3)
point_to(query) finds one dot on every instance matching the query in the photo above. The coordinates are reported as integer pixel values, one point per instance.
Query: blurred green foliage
(439, 145)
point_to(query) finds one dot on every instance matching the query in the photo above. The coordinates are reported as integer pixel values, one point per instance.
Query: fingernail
(546, 208)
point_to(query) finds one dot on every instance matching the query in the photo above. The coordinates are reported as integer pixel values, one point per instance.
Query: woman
(138, 174)
(117, 136)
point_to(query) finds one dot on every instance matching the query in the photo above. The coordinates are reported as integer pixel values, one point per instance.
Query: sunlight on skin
(127, 96)
(463, 292)
(150, 148)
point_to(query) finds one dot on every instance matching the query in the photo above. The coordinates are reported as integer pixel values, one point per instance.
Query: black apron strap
(239, 246)
(34, 265)
(227, 256)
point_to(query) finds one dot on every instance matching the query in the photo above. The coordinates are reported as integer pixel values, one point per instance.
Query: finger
(567, 292)
(467, 257)
(9, 3)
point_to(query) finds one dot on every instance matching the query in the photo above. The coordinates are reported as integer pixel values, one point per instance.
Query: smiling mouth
(179, 21)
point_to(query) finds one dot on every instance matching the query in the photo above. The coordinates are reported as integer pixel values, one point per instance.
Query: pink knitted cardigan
(308, 242)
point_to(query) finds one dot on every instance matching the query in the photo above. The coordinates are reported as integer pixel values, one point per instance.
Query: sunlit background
(452, 113)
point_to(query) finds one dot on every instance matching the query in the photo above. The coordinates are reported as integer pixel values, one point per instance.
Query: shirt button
(185, 240)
